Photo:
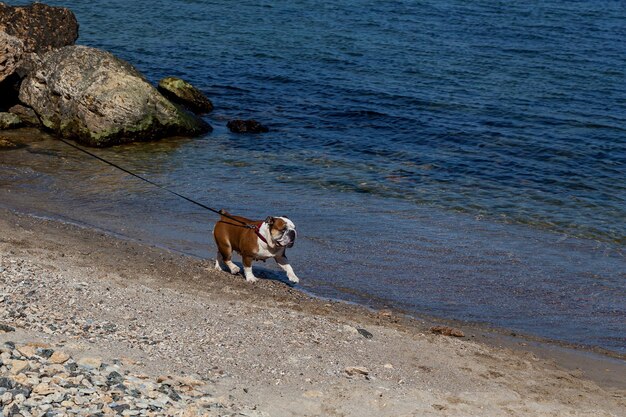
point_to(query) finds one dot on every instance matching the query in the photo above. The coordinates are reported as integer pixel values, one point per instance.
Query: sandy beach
(268, 349)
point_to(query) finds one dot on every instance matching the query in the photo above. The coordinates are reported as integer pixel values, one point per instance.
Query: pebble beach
(96, 325)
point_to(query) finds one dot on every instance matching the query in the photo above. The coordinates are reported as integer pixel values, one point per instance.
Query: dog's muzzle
(288, 238)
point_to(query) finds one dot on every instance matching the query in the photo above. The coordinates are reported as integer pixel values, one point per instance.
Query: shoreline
(273, 333)
(564, 353)
(452, 254)
(483, 331)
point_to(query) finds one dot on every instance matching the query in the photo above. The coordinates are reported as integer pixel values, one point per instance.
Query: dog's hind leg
(218, 261)
(226, 255)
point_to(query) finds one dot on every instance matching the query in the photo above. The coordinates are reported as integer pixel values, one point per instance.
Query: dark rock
(93, 97)
(365, 333)
(5, 327)
(10, 345)
(169, 391)
(40, 27)
(26, 114)
(44, 353)
(114, 378)
(447, 331)
(180, 91)
(19, 389)
(14, 411)
(9, 121)
(120, 387)
(6, 383)
(120, 408)
(246, 126)
(11, 51)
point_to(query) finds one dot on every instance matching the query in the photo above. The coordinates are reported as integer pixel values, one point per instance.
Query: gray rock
(6, 398)
(114, 378)
(11, 51)
(170, 392)
(93, 97)
(44, 352)
(26, 114)
(9, 121)
(180, 91)
(12, 411)
(119, 408)
(5, 328)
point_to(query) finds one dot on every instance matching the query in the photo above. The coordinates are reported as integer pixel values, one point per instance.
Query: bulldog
(267, 239)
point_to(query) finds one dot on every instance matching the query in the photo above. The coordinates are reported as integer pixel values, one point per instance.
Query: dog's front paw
(251, 279)
(293, 278)
(234, 269)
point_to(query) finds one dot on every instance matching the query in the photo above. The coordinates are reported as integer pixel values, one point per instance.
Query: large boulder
(11, 51)
(40, 27)
(99, 100)
(180, 91)
(26, 32)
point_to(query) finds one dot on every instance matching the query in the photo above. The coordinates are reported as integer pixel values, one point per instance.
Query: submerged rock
(99, 100)
(9, 121)
(40, 27)
(246, 126)
(180, 91)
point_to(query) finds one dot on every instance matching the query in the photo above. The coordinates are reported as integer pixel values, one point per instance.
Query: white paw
(293, 278)
(234, 269)
(217, 265)
(251, 278)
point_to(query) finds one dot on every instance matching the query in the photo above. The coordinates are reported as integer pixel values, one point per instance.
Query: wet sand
(271, 348)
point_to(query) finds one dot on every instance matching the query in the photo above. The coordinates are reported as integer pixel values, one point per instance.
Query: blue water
(465, 159)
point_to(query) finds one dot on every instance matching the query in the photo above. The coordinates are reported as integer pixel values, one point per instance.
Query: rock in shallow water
(27, 115)
(9, 121)
(180, 91)
(246, 126)
(93, 97)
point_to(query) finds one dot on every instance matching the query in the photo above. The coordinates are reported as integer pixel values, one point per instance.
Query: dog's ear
(269, 220)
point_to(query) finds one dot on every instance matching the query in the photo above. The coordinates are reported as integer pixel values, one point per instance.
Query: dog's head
(282, 230)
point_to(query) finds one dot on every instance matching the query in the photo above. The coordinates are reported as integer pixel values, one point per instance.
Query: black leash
(220, 212)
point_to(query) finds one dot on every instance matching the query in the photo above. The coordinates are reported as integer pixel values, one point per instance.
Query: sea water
(461, 159)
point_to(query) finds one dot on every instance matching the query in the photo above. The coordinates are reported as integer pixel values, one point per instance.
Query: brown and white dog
(268, 239)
